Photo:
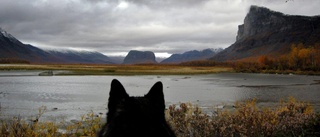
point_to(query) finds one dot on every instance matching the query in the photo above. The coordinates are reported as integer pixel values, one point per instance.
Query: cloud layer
(117, 26)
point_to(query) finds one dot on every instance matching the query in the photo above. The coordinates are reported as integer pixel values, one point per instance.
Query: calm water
(69, 97)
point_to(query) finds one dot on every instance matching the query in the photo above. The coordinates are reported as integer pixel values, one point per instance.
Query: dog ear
(117, 94)
(155, 95)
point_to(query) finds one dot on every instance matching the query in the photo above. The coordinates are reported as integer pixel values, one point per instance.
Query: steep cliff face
(261, 20)
(139, 57)
(267, 32)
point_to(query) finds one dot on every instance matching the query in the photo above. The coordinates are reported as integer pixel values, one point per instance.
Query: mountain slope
(87, 57)
(191, 56)
(11, 48)
(271, 33)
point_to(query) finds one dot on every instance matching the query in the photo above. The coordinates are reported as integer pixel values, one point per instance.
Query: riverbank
(118, 69)
(144, 69)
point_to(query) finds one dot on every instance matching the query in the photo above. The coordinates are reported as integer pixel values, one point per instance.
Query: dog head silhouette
(136, 116)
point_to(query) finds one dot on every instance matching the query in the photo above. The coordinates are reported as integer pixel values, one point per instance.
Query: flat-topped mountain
(267, 32)
(139, 57)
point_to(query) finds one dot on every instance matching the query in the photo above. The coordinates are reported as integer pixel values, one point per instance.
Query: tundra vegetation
(289, 118)
(302, 59)
(137, 69)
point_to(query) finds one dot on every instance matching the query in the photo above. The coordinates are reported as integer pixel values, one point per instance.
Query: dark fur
(136, 116)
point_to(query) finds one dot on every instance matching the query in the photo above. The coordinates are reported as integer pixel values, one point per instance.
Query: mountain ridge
(88, 57)
(12, 48)
(192, 55)
(267, 32)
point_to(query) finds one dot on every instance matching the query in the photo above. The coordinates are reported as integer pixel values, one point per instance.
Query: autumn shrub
(13, 61)
(188, 120)
(202, 63)
(247, 67)
(289, 118)
(88, 125)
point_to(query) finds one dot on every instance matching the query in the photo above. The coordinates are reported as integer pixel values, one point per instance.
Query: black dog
(136, 116)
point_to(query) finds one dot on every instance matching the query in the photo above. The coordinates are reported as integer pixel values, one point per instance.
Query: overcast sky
(114, 27)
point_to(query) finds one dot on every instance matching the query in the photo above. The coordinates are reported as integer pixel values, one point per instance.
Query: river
(69, 97)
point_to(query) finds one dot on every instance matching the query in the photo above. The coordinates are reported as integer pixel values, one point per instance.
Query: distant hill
(139, 57)
(117, 59)
(270, 33)
(13, 49)
(192, 55)
(86, 57)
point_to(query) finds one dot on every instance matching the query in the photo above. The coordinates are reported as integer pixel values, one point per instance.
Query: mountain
(117, 59)
(86, 57)
(192, 55)
(271, 33)
(12, 48)
(139, 57)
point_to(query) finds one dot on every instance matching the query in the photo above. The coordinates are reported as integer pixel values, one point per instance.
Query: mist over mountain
(267, 32)
(192, 55)
(12, 48)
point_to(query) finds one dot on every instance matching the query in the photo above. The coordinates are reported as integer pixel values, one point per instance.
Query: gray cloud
(107, 26)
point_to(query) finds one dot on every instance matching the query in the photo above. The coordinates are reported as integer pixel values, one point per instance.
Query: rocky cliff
(139, 57)
(267, 32)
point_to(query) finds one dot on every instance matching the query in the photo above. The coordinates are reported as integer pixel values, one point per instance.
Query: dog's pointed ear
(156, 96)
(117, 93)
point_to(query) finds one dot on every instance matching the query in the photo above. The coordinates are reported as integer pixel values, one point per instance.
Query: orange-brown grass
(139, 69)
(290, 118)
(87, 126)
